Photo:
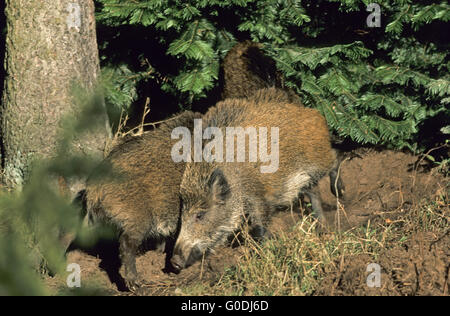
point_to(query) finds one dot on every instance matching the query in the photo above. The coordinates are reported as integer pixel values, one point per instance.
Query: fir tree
(374, 85)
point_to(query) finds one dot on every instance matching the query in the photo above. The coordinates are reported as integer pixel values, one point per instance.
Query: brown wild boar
(246, 70)
(143, 202)
(217, 197)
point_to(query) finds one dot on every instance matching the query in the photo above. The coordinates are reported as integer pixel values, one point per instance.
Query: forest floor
(394, 213)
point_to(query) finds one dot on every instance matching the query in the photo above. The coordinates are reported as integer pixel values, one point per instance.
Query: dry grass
(124, 131)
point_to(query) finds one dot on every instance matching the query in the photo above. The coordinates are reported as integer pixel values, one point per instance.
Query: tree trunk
(50, 46)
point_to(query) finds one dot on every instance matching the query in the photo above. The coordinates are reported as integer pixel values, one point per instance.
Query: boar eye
(200, 215)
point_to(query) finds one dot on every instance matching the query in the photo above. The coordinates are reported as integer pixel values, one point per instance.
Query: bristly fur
(248, 69)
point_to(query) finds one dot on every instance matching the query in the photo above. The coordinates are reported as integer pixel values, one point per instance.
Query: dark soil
(419, 267)
(376, 182)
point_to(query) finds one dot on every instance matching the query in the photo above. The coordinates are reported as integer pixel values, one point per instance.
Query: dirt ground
(376, 182)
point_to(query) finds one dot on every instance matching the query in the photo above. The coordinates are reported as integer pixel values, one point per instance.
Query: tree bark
(50, 46)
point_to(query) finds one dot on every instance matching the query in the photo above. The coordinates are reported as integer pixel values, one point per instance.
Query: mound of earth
(419, 267)
(379, 181)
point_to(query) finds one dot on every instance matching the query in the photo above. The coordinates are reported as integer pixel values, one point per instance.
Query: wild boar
(218, 196)
(143, 200)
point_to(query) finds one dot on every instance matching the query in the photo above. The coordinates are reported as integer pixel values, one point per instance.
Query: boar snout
(179, 261)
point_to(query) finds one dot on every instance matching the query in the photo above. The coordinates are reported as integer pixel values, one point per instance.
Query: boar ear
(218, 185)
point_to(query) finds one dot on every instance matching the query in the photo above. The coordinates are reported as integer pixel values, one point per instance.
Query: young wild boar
(143, 201)
(217, 197)
(247, 70)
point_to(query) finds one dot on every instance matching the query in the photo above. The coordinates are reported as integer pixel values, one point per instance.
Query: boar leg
(316, 204)
(128, 248)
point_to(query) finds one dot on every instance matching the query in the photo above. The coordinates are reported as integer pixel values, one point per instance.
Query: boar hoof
(134, 284)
